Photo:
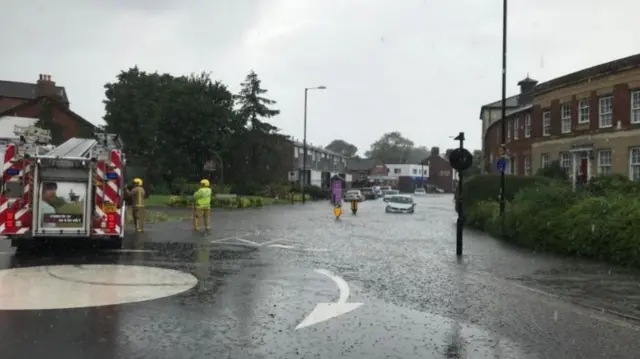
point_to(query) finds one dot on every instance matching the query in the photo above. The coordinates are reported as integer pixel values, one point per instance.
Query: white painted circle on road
(69, 286)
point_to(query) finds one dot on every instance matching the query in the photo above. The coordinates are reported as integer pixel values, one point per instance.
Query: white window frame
(514, 167)
(568, 158)
(544, 160)
(605, 112)
(527, 126)
(527, 165)
(516, 128)
(583, 111)
(565, 117)
(546, 123)
(634, 102)
(634, 163)
(509, 129)
(605, 161)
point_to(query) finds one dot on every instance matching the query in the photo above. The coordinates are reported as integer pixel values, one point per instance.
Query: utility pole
(303, 177)
(503, 120)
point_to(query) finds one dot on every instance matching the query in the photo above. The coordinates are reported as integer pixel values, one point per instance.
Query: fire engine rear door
(62, 199)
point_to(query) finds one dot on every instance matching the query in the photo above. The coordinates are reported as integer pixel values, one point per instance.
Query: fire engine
(74, 190)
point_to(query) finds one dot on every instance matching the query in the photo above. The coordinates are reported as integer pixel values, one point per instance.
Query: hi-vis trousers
(205, 213)
(138, 218)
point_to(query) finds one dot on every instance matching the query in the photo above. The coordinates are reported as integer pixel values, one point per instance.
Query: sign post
(460, 159)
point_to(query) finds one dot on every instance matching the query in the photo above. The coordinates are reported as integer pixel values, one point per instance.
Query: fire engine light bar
(13, 171)
(112, 175)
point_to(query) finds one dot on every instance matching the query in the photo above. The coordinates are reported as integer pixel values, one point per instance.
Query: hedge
(487, 187)
(231, 202)
(599, 221)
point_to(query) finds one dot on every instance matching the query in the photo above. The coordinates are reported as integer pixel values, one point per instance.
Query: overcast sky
(421, 67)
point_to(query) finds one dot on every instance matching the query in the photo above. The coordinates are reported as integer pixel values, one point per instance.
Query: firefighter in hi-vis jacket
(202, 206)
(137, 203)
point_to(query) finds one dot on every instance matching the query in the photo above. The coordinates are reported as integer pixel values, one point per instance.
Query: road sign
(501, 164)
(501, 150)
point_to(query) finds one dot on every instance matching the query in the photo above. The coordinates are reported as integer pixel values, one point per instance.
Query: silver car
(354, 194)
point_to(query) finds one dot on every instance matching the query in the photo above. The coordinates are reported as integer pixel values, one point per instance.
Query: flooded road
(292, 282)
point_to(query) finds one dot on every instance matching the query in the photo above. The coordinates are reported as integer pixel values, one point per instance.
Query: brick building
(588, 120)
(21, 99)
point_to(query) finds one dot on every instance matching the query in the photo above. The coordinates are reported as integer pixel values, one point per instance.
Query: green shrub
(487, 187)
(552, 217)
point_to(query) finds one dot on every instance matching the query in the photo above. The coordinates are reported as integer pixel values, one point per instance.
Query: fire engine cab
(74, 190)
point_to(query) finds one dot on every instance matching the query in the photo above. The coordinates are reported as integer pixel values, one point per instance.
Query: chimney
(46, 87)
(527, 85)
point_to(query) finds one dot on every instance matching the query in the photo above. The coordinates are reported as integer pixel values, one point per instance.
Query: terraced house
(321, 164)
(588, 120)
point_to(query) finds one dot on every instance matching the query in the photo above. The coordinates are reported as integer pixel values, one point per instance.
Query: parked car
(420, 192)
(400, 203)
(385, 188)
(369, 193)
(388, 193)
(354, 194)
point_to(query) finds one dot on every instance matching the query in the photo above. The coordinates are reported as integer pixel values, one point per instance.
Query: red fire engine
(74, 190)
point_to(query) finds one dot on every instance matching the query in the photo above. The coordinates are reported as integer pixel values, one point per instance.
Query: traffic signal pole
(503, 120)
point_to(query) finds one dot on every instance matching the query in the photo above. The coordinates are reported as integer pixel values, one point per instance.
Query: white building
(407, 170)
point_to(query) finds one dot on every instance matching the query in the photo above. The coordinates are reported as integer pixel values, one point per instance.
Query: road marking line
(274, 240)
(284, 246)
(247, 241)
(230, 237)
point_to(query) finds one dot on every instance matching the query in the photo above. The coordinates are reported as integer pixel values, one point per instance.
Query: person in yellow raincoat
(137, 203)
(202, 206)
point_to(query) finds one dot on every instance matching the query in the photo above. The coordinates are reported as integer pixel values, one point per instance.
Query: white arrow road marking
(326, 311)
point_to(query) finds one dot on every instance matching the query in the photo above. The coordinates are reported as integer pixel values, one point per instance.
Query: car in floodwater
(400, 203)
(388, 193)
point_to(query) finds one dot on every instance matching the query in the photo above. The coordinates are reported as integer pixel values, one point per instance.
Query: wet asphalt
(261, 272)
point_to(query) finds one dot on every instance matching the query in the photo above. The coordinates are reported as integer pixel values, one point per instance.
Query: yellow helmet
(204, 182)
(137, 181)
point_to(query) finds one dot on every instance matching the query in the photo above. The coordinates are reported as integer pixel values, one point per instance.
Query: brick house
(441, 174)
(20, 99)
(588, 120)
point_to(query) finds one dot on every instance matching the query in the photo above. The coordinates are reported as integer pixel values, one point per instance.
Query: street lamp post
(303, 179)
(503, 124)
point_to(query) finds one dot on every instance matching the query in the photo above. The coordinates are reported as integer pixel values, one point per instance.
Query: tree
(342, 147)
(46, 121)
(253, 106)
(418, 154)
(170, 124)
(392, 147)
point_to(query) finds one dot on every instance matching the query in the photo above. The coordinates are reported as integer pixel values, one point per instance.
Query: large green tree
(342, 147)
(170, 125)
(253, 106)
(392, 147)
